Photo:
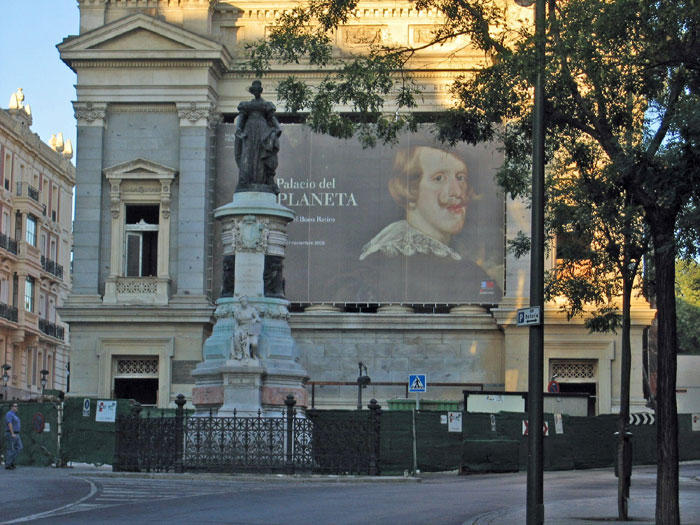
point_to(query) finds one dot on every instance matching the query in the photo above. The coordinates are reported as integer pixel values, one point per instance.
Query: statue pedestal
(251, 365)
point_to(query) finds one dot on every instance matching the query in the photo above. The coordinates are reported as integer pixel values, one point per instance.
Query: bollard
(179, 434)
(375, 411)
(135, 453)
(289, 462)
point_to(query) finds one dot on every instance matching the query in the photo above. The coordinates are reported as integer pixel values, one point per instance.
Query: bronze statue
(257, 143)
(273, 277)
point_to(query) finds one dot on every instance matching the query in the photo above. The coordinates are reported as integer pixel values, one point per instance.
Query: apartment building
(36, 192)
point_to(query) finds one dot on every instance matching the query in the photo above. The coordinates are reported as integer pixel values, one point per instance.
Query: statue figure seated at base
(247, 333)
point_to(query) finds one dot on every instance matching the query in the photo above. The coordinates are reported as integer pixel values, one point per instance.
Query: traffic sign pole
(417, 383)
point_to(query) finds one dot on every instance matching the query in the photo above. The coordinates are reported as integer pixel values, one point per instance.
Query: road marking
(59, 510)
(105, 493)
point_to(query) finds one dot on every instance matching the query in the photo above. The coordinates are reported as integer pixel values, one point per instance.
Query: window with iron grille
(574, 370)
(137, 366)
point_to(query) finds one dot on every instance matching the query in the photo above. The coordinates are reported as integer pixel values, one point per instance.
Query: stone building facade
(36, 193)
(157, 87)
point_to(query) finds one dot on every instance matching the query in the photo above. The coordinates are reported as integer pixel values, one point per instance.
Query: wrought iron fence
(8, 312)
(52, 329)
(52, 267)
(30, 191)
(286, 444)
(8, 244)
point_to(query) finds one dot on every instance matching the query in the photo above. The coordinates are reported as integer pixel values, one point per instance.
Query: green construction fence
(409, 440)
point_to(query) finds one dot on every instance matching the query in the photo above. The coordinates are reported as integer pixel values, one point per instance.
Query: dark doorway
(586, 388)
(145, 391)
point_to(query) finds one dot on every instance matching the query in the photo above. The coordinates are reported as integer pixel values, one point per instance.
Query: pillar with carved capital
(88, 191)
(198, 120)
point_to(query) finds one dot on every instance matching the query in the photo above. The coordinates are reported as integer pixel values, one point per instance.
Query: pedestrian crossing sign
(417, 383)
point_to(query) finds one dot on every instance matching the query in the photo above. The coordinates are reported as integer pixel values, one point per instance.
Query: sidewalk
(593, 510)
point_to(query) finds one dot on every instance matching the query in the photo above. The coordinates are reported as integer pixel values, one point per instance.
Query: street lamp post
(535, 500)
(362, 381)
(5, 377)
(44, 373)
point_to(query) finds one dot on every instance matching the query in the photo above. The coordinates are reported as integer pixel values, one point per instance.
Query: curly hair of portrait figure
(432, 185)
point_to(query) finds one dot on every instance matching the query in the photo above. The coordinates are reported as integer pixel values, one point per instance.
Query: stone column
(88, 196)
(197, 121)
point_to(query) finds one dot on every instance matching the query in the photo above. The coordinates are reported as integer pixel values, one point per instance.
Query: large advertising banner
(415, 222)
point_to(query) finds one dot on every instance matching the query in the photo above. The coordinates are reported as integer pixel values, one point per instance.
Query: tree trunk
(623, 480)
(667, 509)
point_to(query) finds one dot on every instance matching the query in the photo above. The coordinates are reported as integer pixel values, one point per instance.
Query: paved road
(90, 496)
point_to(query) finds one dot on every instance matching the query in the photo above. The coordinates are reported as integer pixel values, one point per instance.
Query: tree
(623, 75)
(688, 306)
(601, 244)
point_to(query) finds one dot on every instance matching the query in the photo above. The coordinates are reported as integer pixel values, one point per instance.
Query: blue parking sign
(417, 383)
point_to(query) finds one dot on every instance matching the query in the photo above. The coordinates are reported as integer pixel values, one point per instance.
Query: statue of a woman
(257, 143)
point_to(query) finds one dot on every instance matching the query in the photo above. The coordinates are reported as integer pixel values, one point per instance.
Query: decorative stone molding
(90, 113)
(165, 198)
(141, 108)
(277, 238)
(195, 112)
(147, 64)
(423, 34)
(215, 117)
(114, 199)
(250, 235)
(224, 311)
(274, 311)
(136, 286)
(364, 35)
(227, 236)
(139, 181)
(136, 290)
(147, 3)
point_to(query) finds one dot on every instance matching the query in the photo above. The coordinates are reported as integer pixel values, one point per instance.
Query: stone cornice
(260, 10)
(146, 3)
(177, 43)
(448, 75)
(129, 314)
(142, 108)
(130, 62)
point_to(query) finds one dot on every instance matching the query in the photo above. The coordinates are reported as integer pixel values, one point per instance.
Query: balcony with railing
(52, 267)
(25, 189)
(8, 244)
(8, 312)
(51, 329)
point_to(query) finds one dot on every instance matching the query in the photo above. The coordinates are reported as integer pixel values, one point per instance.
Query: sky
(29, 60)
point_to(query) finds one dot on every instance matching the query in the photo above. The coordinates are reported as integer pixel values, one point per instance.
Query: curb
(250, 478)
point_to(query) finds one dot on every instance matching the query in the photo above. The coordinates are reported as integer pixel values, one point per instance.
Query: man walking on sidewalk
(14, 443)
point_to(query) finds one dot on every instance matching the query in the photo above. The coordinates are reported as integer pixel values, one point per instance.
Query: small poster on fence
(454, 421)
(106, 411)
